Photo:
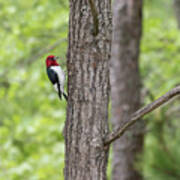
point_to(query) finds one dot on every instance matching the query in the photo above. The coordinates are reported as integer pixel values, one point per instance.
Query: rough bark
(177, 11)
(125, 82)
(88, 90)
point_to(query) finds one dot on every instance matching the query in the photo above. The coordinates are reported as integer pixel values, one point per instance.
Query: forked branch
(140, 113)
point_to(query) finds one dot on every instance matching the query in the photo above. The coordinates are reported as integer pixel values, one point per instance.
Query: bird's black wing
(52, 76)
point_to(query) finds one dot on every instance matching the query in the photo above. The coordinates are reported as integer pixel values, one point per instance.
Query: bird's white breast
(60, 73)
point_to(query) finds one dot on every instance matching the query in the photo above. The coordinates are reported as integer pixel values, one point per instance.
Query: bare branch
(140, 113)
(23, 63)
(49, 48)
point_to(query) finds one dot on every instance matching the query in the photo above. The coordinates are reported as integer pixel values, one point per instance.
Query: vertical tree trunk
(177, 11)
(125, 79)
(88, 89)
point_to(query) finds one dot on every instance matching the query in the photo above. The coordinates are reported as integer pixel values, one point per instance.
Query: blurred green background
(31, 115)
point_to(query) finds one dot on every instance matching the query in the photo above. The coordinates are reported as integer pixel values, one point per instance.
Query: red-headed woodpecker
(56, 75)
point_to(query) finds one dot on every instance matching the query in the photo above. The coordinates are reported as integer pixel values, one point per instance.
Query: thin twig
(140, 113)
(23, 63)
(47, 49)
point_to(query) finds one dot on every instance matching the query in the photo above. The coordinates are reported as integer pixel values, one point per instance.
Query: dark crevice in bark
(95, 17)
(80, 23)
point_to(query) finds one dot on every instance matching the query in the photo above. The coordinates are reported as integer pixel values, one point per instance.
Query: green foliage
(159, 68)
(31, 115)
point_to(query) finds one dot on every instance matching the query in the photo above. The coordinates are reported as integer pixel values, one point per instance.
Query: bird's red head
(51, 61)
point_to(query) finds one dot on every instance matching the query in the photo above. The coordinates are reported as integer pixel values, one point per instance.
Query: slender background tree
(126, 86)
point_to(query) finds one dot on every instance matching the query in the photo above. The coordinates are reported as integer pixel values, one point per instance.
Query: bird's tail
(59, 92)
(65, 96)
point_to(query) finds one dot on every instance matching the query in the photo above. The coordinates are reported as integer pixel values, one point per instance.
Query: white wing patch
(61, 77)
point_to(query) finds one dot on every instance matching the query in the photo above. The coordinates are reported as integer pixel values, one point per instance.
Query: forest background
(31, 115)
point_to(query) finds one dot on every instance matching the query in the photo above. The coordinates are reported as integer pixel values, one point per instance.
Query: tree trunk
(177, 11)
(88, 89)
(125, 81)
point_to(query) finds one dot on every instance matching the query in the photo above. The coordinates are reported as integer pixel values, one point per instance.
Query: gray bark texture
(88, 89)
(125, 86)
(177, 11)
